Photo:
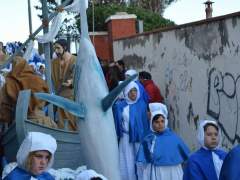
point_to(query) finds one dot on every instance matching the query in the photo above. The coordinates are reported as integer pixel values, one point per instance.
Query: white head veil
(127, 89)
(158, 108)
(200, 133)
(36, 141)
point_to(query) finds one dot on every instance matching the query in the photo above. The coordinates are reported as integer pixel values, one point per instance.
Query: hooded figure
(34, 157)
(132, 126)
(206, 163)
(162, 152)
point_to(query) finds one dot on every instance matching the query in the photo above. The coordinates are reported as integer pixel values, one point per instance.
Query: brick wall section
(101, 44)
(120, 25)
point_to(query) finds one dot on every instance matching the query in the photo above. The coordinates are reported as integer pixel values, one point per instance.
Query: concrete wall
(197, 67)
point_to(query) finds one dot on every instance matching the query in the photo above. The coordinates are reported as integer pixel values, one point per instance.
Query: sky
(14, 15)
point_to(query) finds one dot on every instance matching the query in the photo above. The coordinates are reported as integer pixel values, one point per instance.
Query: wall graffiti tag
(223, 102)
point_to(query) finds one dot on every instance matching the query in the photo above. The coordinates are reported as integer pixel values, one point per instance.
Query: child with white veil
(206, 162)
(162, 152)
(34, 157)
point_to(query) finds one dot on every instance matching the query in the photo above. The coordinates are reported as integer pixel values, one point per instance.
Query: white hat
(36, 141)
(131, 72)
(158, 108)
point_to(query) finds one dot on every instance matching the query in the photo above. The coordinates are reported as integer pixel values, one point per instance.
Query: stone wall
(197, 67)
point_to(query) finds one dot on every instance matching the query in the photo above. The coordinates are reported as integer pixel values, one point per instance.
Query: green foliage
(102, 12)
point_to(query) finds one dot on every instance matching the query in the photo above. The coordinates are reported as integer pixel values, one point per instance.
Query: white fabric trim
(76, 5)
(53, 30)
(217, 163)
(28, 53)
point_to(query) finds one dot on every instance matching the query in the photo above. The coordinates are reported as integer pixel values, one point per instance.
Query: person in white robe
(132, 126)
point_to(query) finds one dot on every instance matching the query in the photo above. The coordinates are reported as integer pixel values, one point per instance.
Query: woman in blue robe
(34, 158)
(206, 163)
(132, 126)
(162, 152)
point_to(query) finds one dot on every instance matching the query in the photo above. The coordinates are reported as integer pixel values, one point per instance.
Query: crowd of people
(148, 148)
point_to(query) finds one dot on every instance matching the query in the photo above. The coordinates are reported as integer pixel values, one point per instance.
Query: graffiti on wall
(223, 102)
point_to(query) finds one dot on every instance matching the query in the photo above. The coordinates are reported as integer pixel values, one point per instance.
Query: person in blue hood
(132, 126)
(34, 157)
(162, 152)
(206, 163)
(230, 168)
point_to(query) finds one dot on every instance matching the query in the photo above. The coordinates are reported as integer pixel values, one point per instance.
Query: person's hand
(68, 83)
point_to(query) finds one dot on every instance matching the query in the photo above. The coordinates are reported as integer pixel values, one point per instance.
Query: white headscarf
(200, 133)
(88, 174)
(131, 72)
(36, 141)
(200, 136)
(127, 89)
(158, 108)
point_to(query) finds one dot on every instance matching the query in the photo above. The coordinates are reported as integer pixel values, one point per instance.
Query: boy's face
(158, 125)
(211, 137)
(40, 162)
(132, 94)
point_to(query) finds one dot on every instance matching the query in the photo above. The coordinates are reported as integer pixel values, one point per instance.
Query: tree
(103, 11)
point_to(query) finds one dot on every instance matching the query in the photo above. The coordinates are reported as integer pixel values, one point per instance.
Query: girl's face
(211, 137)
(132, 94)
(39, 163)
(158, 125)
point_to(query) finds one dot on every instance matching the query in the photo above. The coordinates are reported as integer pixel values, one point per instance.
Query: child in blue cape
(34, 158)
(162, 152)
(132, 125)
(206, 163)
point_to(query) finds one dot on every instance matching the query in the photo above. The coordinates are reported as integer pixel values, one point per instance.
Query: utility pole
(29, 17)
(46, 49)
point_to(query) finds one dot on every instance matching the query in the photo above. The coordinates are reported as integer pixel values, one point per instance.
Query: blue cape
(143, 93)
(230, 168)
(169, 149)
(20, 174)
(138, 120)
(200, 165)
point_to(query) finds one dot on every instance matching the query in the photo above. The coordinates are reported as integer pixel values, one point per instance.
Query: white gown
(127, 151)
(151, 172)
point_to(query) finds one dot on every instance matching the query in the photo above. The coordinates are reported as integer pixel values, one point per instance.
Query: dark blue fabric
(200, 165)
(20, 174)
(230, 168)
(138, 120)
(169, 149)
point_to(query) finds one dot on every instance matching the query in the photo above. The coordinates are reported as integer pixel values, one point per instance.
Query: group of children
(149, 150)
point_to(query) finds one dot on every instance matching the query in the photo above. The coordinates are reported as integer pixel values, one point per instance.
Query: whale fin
(108, 100)
(71, 106)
